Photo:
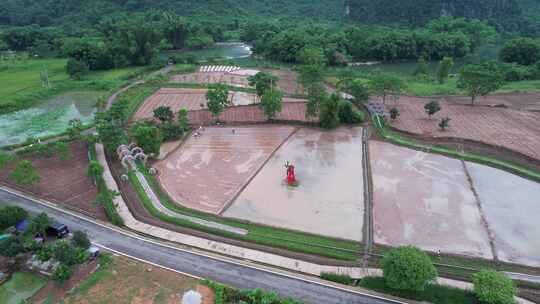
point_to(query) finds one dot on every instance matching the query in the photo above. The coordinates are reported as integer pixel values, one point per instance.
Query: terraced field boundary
(295, 241)
(397, 139)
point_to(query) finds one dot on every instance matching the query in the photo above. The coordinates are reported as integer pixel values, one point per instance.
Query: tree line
(308, 44)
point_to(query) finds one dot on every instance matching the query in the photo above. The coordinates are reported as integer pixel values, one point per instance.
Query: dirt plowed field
(208, 171)
(63, 182)
(513, 129)
(195, 100)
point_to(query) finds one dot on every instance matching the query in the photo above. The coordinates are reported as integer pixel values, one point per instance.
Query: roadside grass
(21, 286)
(434, 293)
(100, 274)
(264, 235)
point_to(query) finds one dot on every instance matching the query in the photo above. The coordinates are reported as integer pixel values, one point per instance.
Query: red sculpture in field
(291, 178)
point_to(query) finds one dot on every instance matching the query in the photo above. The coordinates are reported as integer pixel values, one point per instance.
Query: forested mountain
(504, 14)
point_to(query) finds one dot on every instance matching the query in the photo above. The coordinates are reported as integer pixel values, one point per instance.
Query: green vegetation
(329, 111)
(80, 239)
(386, 84)
(492, 287)
(225, 294)
(5, 159)
(11, 215)
(444, 68)
(408, 268)
(432, 107)
(433, 293)
(338, 278)
(105, 196)
(217, 98)
(25, 174)
(275, 237)
(147, 136)
(522, 50)
(20, 286)
(480, 80)
(271, 103)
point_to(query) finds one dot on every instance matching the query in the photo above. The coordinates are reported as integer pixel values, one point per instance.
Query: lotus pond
(50, 118)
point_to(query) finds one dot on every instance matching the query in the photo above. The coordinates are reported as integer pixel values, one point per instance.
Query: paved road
(239, 276)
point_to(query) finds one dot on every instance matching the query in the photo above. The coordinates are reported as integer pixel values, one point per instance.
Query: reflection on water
(48, 119)
(229, 50)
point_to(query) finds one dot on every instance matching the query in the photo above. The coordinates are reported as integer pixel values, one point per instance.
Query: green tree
(311, 77)
(147, 136)
(62, 273)
(25, 174)
(39, 224)
(525, 51)
(109, 133)
(271, 103)
(408, 268)
(443, 69)
(421, 67)
(432, 107)
(76, 69)
(11, 215)
(312, 55)
(62, 148)
(183, 120)
(480, 80)
(492, 287)
(359, 90)
(117, 113)
(262, 82)
(394, 113)
(445, 122)
(170, 131)
(80, 239)
(163, 114)
(329, 111)
(316, 95)
(217, 98)
(64, 253)
(386, 84)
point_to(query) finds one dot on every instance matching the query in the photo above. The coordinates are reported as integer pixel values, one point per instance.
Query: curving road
(221, 270)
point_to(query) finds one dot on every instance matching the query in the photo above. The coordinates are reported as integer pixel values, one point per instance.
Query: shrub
(408, 268)
(5, 159)
(432, 107)
(64, 253)
(61, 274)
(12, 246)
(444, 123)
(170, 131)
(80, 239)
(163, 113)
(329, 108)
(11, 215)
(183, 120)
(492, 287)
(347, 114)
(39, 224)
(95, 170)
(45, 253)
(338, 278)
(76, 69)
(147, 136)
(62, 148)
(394, 113)
(25, 174)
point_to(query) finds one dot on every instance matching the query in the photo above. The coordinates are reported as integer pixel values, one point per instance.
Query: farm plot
(208, 171)
(292, 110)
(425, 200)
(195, 99)
(511, 206)
(63, 181)
(509, 128)
(329, 199)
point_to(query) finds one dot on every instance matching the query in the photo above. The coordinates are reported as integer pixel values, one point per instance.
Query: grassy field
(122, 280)
(19, 287)
(22, 88)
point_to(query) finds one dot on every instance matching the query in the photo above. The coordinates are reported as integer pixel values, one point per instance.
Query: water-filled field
(50, 118)
(232, 50)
